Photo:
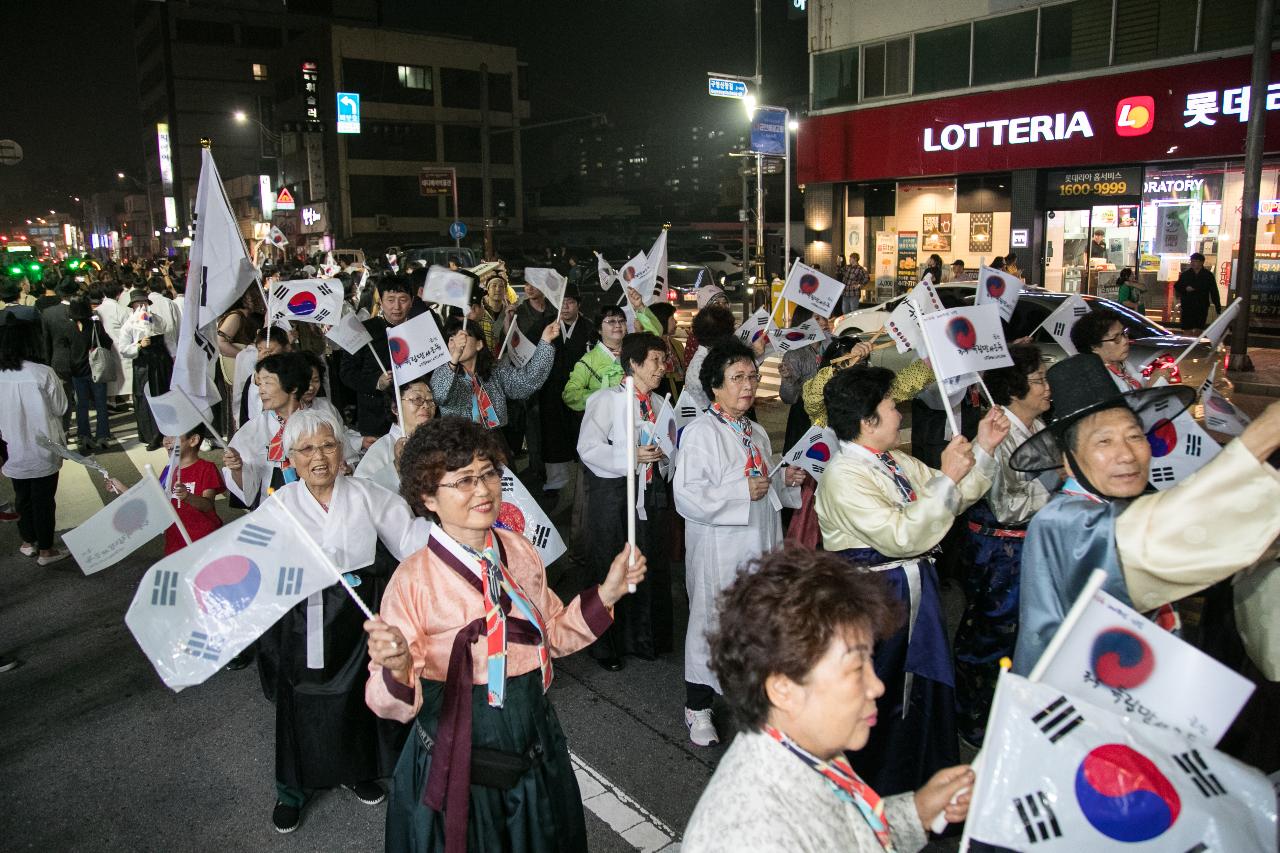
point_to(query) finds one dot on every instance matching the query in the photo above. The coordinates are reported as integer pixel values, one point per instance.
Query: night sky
(71, 97)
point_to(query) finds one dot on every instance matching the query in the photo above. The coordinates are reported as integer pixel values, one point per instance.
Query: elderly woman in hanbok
(793, 653)
(255, 463)
(313, 661)
(725, 490)
(1101, 332)
(463, 649)
(885, 510)
(992, 553)
(381, 462)
(142, 342)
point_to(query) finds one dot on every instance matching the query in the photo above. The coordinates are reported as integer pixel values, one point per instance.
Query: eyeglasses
(307, 451)
(467, 485)
(612, 320)
(419, 401)
(1123, 333)
(744, 378)
(1037, 380)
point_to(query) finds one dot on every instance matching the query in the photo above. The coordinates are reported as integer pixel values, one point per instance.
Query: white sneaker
(58, 554)
(702, 732)
(27, 550)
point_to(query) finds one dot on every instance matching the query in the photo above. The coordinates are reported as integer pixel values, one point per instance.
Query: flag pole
(933, 363)
(168, 501)
(217, 436)
(324, 559)
(1230, 309)
(983, 386)
(631, 475)
(381, 366)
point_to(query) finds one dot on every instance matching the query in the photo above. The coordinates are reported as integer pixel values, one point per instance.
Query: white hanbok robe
(171, 313)
(113, 316)
(251, 441)
(379, 462)
(724, 528)
(245, 362)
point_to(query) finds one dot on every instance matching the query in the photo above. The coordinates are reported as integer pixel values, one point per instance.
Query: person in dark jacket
(83, 333)
(1197, 289)
(57, 324)
(560, 424)
(363, 372)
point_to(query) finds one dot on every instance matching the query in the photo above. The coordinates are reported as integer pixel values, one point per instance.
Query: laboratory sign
(1173, 113)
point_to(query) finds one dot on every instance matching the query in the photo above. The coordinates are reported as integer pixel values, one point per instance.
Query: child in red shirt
(192, 491)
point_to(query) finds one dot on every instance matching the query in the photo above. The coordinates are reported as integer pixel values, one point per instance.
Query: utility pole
(486, 191)
(1254, 143)
(758, 265)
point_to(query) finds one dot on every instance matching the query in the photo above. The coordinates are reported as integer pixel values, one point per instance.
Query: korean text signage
(1193, 110)
(435, 182)
(1074, 188)
(769, 131)
(311, 89)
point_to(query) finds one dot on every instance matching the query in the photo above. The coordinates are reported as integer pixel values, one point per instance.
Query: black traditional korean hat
(1081, 385)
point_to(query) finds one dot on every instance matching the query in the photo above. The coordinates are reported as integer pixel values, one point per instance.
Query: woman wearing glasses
(313, 659)
(731, 496)
(463, 648)
(1100, 332)
(381, 463)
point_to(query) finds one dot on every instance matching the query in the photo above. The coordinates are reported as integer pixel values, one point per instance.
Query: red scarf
(756, 466)
(647, 412)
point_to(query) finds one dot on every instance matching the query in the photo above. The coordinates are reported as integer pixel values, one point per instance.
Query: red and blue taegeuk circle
(808, 283)
(399, 350)
(510, 517)
(1163, 438)
(795, 336)
(1124, 795)
(302, 303)
(995, 286)
(227, 585)
(1212, 401)
(960, 331)
(1121, 658)
(819, 451)
(130, 517)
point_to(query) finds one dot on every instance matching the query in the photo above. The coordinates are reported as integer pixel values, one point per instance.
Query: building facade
(1084, 136)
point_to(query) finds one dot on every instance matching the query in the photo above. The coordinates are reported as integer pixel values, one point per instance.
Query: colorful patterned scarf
(497, 580)
(647, 412)
(905, 488)
(756, 466)
(482, 410)
(1124, 374)
(846, 784)
(275, 447)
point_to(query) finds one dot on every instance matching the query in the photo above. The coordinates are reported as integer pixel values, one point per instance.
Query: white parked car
(718, 261)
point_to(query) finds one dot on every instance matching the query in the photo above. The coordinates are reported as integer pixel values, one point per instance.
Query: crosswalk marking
(636, 824)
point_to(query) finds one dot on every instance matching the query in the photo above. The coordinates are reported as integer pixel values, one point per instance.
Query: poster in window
(936, 232)
(1128, 216)
(1173, 236)
(907, 251)
(980, 233)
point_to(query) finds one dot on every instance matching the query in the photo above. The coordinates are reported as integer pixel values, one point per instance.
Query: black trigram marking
(1193, 445)
(289, 581)
(280, 291)
(164, 591)
(205, 344)
(1080, 310)
(1199, 848)
(1193, 765)
(204, 286)
(324, 288)
(688, 411)
(1161, 406)
(818, 469)
(784, 345)
(200, 645)
(1163, 474)
(252, 534)
(817, 436)
(540, 536)
(1059, 329)
(1057, 719)
(1037, 816)
(321, 314)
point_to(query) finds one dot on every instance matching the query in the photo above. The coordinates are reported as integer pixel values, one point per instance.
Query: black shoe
(369, 793)
(610, 664)
(285, 817)
(156, 443)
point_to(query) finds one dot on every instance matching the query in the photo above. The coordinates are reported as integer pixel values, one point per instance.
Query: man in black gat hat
(1155, 548)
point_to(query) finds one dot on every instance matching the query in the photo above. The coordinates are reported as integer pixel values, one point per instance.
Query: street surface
(99, 755)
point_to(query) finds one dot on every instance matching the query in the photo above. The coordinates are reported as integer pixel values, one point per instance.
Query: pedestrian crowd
(816, 639)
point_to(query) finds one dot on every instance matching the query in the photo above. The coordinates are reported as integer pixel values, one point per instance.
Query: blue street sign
(769, 131)
(458, 229)
(348, 112)
(722, 87)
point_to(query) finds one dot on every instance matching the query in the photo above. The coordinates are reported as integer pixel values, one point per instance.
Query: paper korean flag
(349, 333)
(175, 413)
(1117, 659)
(755, 327)
(813, 452)
(1063, 319)
(637, 274)
(999, 287)
(197, 609)
(1218, 328)
(309, 300)
(810, 288)
(416, 348)
(121, 527)
(1179, 447)
(1221, 415)
(956, 386)
(607, 274)
(664, 431)
(447, 287)
(522, 514)
(785, 340)
(549, 282)
(276, 238)
(1059, 774)
(657, 261)
(966, 340)
(686, 409)
(903, 324)
(519, 349)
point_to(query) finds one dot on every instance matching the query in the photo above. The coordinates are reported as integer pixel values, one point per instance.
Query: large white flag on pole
(636, 273)
(1116, 658)
(416, 348)
(1059, 774)
(1216, 329)
(659, 279)
(447, 287)
(549, 282)
(220, 267)
(965, 340)
(999, 287)
(818, 292)
(121, 527)
(198, 608)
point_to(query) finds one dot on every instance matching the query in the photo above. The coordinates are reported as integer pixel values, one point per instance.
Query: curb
(1247, 386)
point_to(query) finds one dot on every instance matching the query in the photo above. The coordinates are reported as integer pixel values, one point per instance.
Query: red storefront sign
(1173, 113)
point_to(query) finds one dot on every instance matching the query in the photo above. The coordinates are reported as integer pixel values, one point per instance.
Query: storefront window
(1075, 36)
(1091, 228)
(1229, 24)
(835, 78)
(942, 59)
(1004, 48)
(1153, 29)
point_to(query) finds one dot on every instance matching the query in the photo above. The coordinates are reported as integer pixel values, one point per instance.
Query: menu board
(937, 232)
(908, 248)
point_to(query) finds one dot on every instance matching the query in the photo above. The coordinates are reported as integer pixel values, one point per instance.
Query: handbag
(493, 768)
(102, 367)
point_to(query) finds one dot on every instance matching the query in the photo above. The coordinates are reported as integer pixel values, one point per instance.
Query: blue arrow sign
(458, 229)
(722, 87)
(348, 112)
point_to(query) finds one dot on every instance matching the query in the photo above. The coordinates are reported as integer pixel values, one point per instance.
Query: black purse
(493, 768)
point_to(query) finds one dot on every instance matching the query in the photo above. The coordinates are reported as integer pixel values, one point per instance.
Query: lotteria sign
(1172, 113)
